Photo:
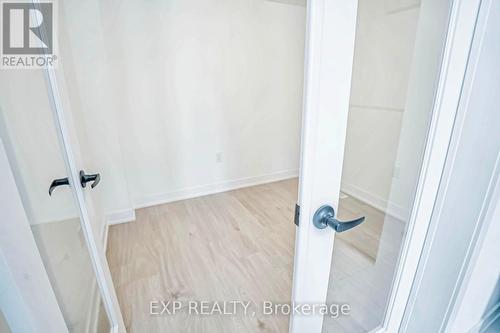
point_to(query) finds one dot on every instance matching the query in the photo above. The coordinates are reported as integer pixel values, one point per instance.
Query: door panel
(331, 27)
(29, 133)
(363, 148)
(390, 109)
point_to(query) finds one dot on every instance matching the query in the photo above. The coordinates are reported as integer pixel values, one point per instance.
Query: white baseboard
(397, 212)
(375, 201)
(198, 191)
(122, 216)
(488, 319)
(128, 215)
(291, 2)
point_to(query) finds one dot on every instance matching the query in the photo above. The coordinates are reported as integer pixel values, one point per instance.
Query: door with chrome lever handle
(84, 179)
(325, 216)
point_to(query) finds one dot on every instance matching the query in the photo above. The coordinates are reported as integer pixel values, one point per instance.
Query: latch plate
(297, 215)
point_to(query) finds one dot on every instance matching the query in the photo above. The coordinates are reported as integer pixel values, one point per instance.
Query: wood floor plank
(237, 245)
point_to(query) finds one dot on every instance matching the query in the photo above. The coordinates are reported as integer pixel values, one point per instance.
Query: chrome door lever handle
(325, 216)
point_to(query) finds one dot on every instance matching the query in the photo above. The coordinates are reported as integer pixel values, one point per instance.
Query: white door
(91, 215)
(382, 84)
(42, 156)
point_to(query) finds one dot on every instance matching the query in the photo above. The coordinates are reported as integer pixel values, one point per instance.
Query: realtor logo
(28, 39)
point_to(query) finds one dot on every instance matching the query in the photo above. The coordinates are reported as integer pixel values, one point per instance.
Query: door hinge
(297, 215)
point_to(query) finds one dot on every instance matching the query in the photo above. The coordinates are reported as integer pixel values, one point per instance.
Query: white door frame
(458, 271)
(333, 22)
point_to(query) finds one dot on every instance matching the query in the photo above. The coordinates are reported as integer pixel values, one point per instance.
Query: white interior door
(39, 149)
(382, 84)
(91, 216)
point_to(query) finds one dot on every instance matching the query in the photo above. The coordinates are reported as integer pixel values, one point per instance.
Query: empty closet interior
(191, 113)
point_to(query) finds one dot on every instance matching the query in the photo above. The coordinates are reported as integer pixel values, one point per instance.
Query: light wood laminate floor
(236, 245)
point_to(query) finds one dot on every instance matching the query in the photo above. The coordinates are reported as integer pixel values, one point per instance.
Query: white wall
(425, 71)
(92, 103)
(160, 87)
(385, 38)
(396, 66)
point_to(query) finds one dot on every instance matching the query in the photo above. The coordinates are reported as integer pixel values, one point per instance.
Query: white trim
(487, 320)
(330, 36)
(121, 216)
(365, 196)
(455, 59)
(389, 208)
(118, 217)
(486, 23)
(301, 3)
(472, 259)
(198, 191)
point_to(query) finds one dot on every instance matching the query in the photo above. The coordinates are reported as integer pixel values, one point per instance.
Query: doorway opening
(191, 112)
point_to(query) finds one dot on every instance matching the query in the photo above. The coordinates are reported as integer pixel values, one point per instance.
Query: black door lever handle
(57, 182)
(84, 179)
